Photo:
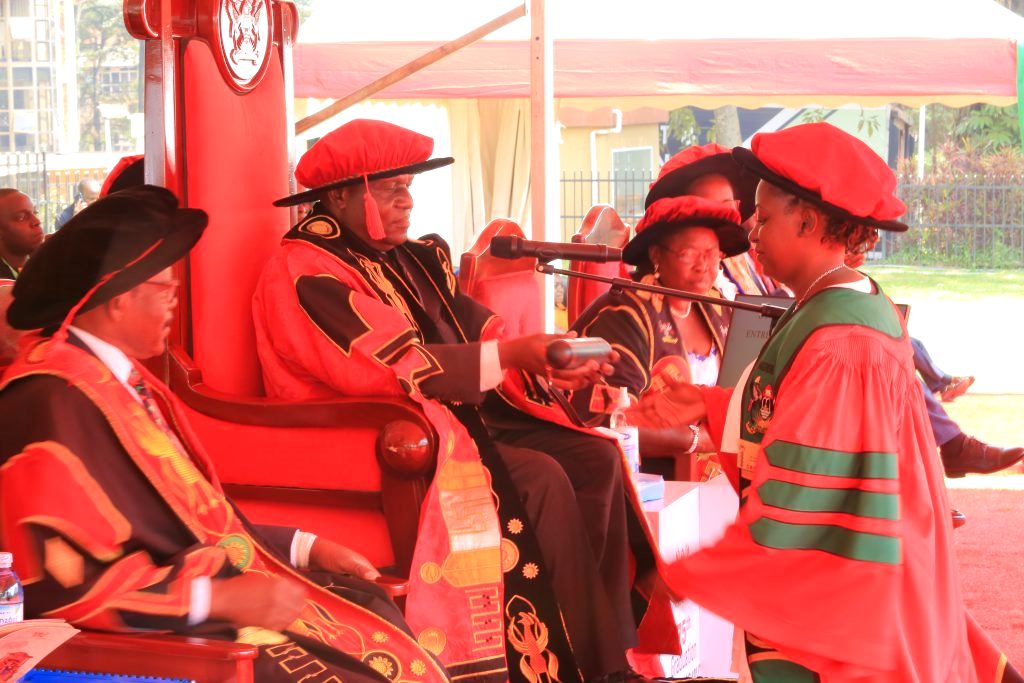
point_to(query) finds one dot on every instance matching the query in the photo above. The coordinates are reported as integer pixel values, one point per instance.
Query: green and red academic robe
(840, 566)
(112, 515)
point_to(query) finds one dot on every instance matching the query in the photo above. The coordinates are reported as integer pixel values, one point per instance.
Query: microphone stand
(620, 283)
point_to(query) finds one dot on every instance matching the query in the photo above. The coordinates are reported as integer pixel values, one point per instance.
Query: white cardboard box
(692, 515)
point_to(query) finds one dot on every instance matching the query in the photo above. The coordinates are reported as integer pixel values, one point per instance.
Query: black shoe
(966, 455)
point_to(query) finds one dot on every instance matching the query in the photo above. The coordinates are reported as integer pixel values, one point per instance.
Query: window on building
(42, 28)
(22, 76)
(24, 99)
(43, 74)
(23, 142)
(42, 52)
(3, 100)
(632, 168)
(21, 8)
(42, 8)
(21, 50)
(5, 123)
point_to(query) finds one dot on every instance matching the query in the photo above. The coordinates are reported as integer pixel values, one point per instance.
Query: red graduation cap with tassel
(360, 151)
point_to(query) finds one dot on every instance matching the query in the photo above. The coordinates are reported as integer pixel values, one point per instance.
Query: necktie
(146, 398)
(150, 404)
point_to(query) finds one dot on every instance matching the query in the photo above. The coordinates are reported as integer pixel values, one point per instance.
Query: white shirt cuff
(491, 373)
(199, 600)
(302, 543)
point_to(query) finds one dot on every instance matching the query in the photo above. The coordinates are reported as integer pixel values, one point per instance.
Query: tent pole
(405, 70)
(921, 120)
(543, 153)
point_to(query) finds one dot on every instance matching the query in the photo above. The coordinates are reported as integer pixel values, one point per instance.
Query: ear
(115, 308)
(810, 220)
(654, 256)
(334, 198)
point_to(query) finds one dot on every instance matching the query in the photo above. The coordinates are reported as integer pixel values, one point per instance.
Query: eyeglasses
(689, 255)
(168, 289)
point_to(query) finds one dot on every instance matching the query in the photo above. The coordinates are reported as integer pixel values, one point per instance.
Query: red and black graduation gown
(111, 515)
(640, 326)
(334, 316)
(840, 566)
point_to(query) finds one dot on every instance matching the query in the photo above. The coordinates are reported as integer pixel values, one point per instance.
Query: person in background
(21, 233)
(86, 192)
(961, 453)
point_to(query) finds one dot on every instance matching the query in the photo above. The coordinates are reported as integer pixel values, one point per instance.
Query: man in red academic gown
(114, 514)
(350, 305)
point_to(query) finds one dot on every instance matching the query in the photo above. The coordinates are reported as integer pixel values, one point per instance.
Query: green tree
(102, 39)
(984, 128)
(682, 126)
(305, 8)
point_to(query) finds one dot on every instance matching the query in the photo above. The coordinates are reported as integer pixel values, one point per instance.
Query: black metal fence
(50, 190)
(964, 221)
(967, 221)
(624, 191)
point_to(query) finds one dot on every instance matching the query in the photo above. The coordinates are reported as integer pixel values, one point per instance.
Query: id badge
(746, 457)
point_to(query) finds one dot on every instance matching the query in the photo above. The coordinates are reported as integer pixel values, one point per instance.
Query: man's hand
(589, 373)
(679, 404)
(529, 353)
(269, 602)
(328, 556)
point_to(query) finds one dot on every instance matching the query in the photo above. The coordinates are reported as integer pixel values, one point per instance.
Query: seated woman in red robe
(840, 565)
(679, 243)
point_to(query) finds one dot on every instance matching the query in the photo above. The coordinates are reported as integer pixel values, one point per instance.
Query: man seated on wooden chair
(113, 512)
(351, 305)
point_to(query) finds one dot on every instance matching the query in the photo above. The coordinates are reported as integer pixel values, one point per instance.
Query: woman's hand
(679, 404)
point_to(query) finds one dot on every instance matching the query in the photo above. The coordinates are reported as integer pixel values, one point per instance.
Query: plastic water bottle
(12, 596)
(629, 436)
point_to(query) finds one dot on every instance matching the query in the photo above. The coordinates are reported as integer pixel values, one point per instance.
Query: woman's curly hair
(857, 238)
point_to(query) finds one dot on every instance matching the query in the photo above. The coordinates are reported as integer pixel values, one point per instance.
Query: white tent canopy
(671, 53)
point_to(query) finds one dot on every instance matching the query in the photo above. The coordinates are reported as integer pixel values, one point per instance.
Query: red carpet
(990, 548)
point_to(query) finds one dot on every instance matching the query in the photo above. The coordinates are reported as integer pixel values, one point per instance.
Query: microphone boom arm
(620, 283)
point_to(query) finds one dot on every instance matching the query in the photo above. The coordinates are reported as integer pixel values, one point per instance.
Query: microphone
(565, 354)
(509, 247)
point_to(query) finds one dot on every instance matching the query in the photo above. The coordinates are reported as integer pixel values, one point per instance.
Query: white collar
(120, 365)
(861, 285)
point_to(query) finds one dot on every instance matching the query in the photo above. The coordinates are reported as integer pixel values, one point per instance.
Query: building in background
(38, 86)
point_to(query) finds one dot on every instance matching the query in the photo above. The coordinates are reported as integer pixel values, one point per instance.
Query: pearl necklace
(816, 281)
(681, 316)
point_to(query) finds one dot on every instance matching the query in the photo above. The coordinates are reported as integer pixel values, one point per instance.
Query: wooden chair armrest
(394, 586)
(186, 380)
(169, 656)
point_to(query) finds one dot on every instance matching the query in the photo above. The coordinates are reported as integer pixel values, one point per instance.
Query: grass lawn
(970, 321)
(912, 283)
